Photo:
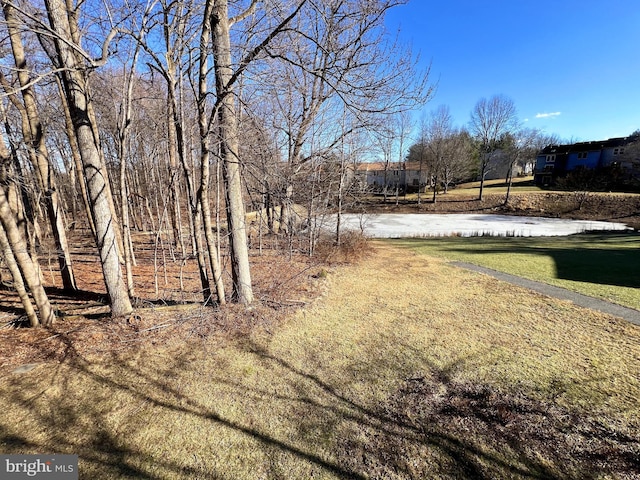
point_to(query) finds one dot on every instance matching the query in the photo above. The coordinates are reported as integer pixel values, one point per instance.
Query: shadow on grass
(432, 426)
(602, 266)
(113, 454)
(574, 258)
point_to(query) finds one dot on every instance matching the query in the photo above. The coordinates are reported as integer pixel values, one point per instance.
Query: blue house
(555, 161)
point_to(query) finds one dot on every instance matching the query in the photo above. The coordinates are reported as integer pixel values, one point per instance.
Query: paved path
(628, 314)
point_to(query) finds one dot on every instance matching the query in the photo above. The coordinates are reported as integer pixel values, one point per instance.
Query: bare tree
(403, 124)
(341, 58)
(438, 132)
(175, 20)
(225, 112)
(419, 153)
(62, 24)
(443, 149)
(490, 120)
(390, 132)
(384, 139)
(20, 263)
(76, 166)
(210, 33)
(458, 161)
(448, 150)
(20, 191)
(33, 132)
(123, 129)
(520, 146)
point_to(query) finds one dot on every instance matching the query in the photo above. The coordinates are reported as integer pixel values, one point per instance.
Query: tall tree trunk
(228, 127)
(286, 208)
(18, 196)
(77, 158)
(124, 125)
(483, 172)
(195, 208)
(200, 256)
(205, 170)
(18, 282)
(203, 199)
(509, 182)
(386, 179)
(98, 185)
(435, 189)
(34, 138)
(174, 192)
(125, 217)
(340, 202)
(420, 178)
(23, 259)
(74, 36)
(28, 271)
(9, 257)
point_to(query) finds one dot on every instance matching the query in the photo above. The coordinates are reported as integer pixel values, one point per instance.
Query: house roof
(392, 166)
(586, 146)
(374, 166)
(415, 166)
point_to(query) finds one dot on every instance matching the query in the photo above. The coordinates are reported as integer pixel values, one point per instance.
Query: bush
(353, 246)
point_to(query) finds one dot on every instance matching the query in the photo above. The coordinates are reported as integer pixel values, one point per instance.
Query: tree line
(494, 140)
(174, 116)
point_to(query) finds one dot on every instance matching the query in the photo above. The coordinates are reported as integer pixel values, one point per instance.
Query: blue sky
(571, 67)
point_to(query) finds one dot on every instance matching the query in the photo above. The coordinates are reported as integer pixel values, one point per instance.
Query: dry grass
(338, 389)
(519, 185)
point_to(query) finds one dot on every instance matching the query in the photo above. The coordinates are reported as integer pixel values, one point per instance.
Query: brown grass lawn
(404, 367)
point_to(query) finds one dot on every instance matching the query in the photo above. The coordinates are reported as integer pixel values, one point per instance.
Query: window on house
(415, 181)
(551, 158)
(618, 151)
(582, 155)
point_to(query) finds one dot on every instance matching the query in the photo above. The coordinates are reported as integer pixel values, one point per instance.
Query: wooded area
(177, 117)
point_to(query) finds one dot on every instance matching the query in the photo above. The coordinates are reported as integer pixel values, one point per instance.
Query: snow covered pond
(389, 225)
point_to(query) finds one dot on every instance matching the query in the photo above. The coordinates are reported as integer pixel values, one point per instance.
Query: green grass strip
(605, 266)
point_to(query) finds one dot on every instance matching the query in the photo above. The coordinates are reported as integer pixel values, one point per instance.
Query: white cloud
(548, 115)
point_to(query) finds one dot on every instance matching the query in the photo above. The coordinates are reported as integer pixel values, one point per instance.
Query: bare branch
(46, 30)
(11, 90)
(248, 12)
(253, 54)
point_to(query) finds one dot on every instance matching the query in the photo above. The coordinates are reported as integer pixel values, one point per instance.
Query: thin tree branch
(241, 16)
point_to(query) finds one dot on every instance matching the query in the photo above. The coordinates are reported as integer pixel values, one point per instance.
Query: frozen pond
(387, 225)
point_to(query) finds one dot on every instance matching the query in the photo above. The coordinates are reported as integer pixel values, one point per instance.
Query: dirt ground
(167, 305)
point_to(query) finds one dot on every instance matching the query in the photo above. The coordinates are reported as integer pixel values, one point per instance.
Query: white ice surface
(389, 225)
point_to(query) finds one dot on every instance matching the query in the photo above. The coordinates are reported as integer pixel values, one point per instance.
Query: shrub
(353, 246)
